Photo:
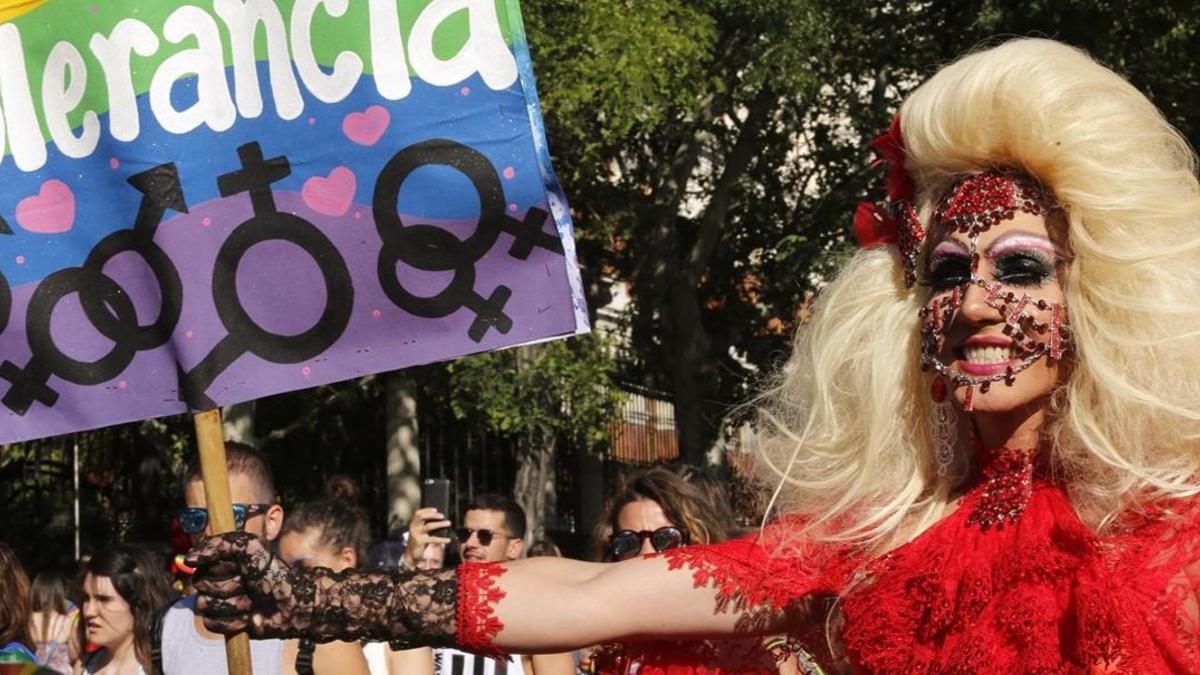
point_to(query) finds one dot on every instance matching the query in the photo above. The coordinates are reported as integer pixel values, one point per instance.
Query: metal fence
(645, 431)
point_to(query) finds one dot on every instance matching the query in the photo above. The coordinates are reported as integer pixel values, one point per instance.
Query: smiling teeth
(987, 355)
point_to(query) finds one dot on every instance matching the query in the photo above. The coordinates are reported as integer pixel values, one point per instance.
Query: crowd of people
(130, 610)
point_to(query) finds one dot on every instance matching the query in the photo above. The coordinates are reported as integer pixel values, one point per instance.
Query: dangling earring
(945, 426)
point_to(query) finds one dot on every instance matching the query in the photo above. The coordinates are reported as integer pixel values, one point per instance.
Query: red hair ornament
(896, 222)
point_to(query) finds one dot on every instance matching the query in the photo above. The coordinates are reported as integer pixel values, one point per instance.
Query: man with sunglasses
(493, 530)
(186, 646)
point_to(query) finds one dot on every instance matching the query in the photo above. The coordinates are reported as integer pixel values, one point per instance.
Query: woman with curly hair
(658, 510)
(985, 441)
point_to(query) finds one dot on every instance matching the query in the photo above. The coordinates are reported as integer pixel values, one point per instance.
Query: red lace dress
(1011, 582)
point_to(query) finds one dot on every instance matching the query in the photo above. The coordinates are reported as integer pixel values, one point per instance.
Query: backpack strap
(156, 638)
(304, 657)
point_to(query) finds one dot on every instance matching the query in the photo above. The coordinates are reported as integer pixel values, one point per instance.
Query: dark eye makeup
(947, 270)
(1025, 269)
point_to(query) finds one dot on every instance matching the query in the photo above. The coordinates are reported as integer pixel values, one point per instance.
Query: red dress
(1011, 582)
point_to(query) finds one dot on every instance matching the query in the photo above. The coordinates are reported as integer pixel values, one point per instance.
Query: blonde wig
(845, 432)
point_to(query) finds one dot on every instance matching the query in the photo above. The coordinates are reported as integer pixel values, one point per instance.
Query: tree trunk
(535, 488)
(689, 343)
(237, 421)
(403, 454)
(684, 336)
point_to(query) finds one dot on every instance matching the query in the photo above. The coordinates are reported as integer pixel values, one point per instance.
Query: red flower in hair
(890, 148)
(897, 223)
(873, 226)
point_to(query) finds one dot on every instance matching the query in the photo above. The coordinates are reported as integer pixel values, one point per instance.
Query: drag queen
(985, 443)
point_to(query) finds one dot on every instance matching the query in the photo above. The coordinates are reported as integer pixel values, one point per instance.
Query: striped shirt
(454, 662)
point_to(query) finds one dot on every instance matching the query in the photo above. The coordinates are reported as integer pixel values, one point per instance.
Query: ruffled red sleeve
(1140, 608)
(771, 569)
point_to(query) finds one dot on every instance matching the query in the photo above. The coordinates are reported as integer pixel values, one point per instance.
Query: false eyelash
(947, 270)
(1026, 269)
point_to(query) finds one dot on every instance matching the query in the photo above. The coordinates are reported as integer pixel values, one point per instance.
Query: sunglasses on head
(485, 536)
(194, 520)
(627, 543)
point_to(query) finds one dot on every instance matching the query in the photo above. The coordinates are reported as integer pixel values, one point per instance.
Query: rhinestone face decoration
(974, 205)
(909, 237)
(981, 201)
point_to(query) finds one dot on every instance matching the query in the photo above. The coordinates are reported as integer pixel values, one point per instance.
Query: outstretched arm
(556, 604)
(538, 605)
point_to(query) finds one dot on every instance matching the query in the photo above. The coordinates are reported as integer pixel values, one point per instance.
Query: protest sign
(208, 202)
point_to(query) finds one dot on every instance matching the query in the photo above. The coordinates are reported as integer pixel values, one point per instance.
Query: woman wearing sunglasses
(655, 511)
(985, 439)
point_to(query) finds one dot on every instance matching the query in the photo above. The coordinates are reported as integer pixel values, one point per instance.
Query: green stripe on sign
(88, 25)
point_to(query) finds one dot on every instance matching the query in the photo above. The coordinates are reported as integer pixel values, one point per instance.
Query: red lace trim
(769, 569)
(478, 593)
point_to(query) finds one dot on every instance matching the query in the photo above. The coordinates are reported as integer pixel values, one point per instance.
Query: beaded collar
(1007, 484)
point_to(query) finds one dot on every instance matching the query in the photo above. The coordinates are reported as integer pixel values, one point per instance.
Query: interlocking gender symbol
(104, 302)
(267, 224)
(433, 249)
(109, 308)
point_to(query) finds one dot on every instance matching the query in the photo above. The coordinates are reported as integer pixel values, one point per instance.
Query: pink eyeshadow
(1022, 243)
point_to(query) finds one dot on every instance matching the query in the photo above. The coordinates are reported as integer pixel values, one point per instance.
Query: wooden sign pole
(220, 514)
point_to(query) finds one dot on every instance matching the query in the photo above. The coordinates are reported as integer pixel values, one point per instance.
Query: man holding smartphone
(493, 530)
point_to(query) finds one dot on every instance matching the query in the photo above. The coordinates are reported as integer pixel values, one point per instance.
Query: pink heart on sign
(50, 211)
(366, 128)
(330, 196)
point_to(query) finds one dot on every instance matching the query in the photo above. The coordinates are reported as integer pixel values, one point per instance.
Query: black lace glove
(241, 585)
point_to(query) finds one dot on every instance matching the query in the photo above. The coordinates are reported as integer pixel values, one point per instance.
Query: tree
(662, 110)
(541, 395)
(403, 455)
(713, 150)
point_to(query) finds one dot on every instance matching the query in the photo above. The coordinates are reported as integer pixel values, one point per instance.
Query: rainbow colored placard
(212, 201)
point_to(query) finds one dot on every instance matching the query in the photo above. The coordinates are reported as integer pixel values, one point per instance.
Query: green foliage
(539, 391)
(646, 54)
(127, 489)
(638, 94)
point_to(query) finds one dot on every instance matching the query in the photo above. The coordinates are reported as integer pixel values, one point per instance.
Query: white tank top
(186, 652)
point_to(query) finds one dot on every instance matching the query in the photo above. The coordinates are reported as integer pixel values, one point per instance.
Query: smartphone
(435, 493)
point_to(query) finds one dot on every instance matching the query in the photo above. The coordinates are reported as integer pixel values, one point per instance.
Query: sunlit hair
(845, 432)
(339, 524)
(240, 459)
(48, 595)
(684, 503)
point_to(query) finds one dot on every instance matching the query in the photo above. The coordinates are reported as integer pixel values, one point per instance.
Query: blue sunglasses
(194, 520)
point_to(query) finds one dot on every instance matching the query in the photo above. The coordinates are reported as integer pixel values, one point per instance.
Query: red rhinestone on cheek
(939, 389)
